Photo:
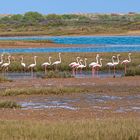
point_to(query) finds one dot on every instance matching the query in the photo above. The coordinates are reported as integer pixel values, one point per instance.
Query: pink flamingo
(45, 64)
(111, 64)
(81, 66)
(126, 61)
(97, 66)
(77, 64)
(57, 62)
(94, 63)
(74, 63)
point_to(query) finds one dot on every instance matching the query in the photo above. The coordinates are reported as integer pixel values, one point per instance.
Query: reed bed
(107, 129)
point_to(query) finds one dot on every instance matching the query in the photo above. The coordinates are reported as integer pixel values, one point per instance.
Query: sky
(69, 6)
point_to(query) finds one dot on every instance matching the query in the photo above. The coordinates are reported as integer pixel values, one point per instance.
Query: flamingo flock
(76, 66)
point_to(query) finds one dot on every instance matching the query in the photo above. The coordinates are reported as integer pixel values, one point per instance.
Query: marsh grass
(42, 91)
(108, 129)
(9, 104)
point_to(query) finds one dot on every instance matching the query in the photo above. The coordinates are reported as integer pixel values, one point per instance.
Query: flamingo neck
(97, 60)
(35, 60)
(129, 58)
(101, 62)
(85, 62)
(118, 59)
(113, 60)
(77, 59)
(59, 58)
(50, 60)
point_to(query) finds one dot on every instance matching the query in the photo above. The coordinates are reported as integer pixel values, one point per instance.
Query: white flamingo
(5, 66)
(94, 63)
(97, 66)
(32, 66)
(111, 64)
(22, 63)
(81, 66)
(126, 61)
(74, 63)
(57, 62)
(45, 64)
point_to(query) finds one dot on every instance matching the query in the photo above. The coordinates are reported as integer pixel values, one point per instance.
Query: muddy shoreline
(115, 95)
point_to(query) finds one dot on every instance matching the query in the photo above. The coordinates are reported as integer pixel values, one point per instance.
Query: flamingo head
(97, 55)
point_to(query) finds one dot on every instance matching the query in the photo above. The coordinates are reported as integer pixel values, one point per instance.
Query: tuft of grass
(108, 129)
(42, 91)
(133, 72)
(9, 104)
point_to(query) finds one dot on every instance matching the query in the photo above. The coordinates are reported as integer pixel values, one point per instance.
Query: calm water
(93, 44)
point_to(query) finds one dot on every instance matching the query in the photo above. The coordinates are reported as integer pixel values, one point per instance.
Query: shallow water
(82, 101)
(28, 75)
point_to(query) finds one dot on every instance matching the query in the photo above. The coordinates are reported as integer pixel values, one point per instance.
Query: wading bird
(32, 66)
(111, 64)
(57, 62)
(74, 63)
(125, 62)
(45, 64)
(81, 66)
(22, 63)
(94, 63)
(97, 66)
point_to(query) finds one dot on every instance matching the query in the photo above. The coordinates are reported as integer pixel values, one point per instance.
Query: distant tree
(33, 17)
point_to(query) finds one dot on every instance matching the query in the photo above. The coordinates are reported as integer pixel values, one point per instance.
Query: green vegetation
(61, 90)
(33, 23)
(42, 91)
(9, 104)
(108, 129)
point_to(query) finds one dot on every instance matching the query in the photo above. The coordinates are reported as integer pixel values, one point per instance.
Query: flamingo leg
(125, 69)
(114, 72)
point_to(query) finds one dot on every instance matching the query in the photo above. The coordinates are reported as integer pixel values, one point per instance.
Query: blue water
(93, 44)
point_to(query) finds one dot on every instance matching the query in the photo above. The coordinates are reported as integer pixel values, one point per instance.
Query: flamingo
(126, 61)
(96, 66)
(22, 63)
(1, 59)
(93, 63)
(111, 64)
(115, 64)
(57, 62)
(31, 66)
(81, 66)
(74, 63)
(5, 66)
(45, 64)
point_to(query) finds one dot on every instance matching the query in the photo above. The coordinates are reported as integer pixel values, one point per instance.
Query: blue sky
(69, 6)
